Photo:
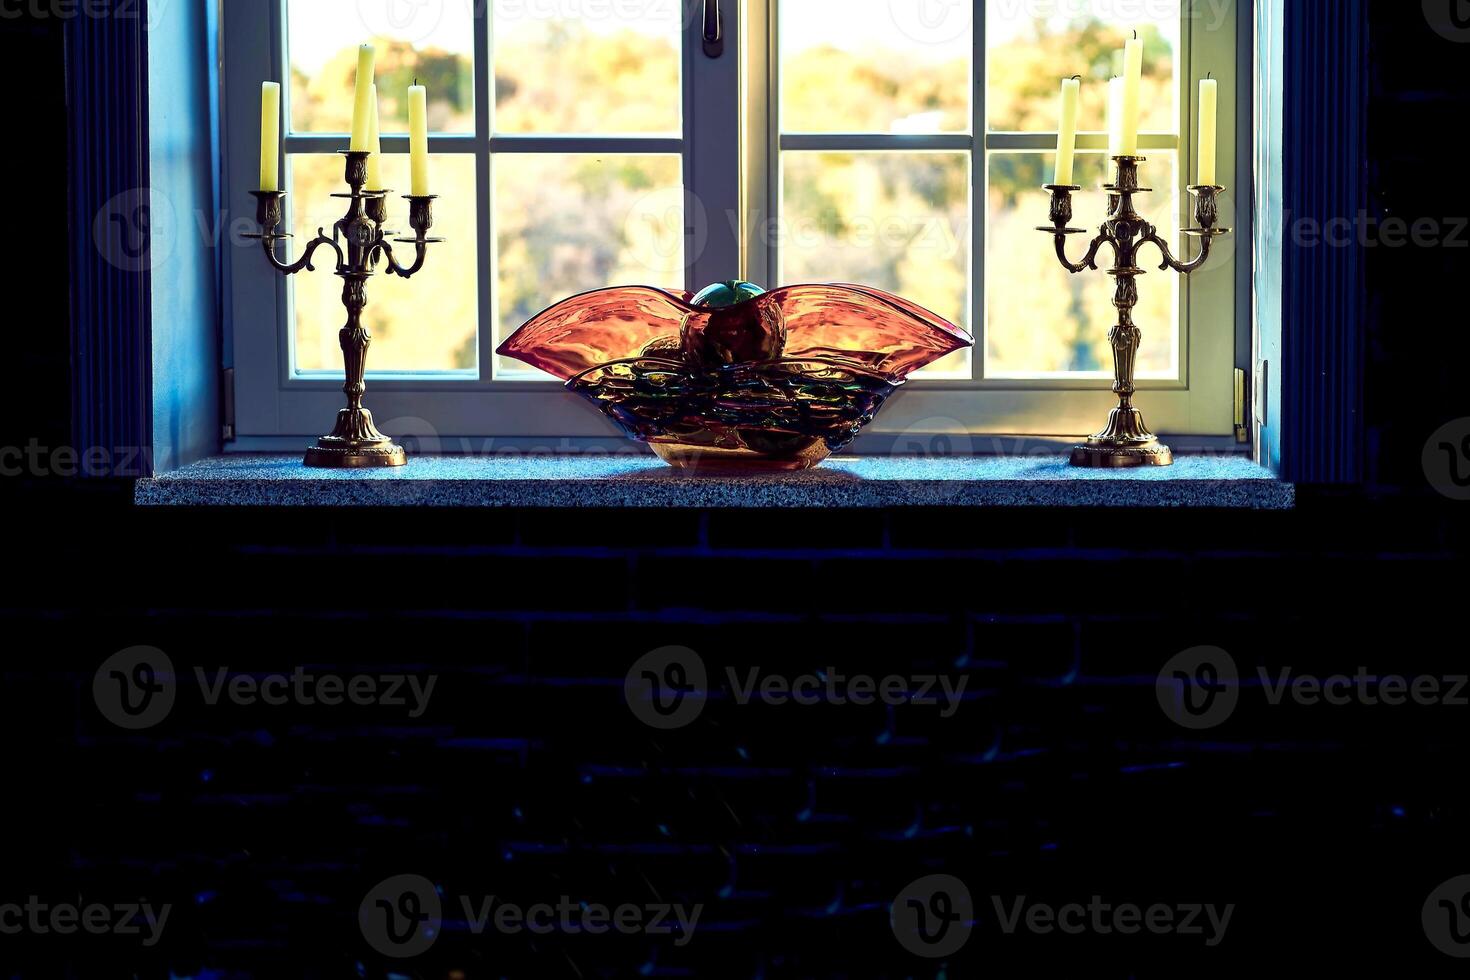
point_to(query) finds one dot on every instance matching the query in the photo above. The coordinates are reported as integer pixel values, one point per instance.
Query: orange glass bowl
(735, 376)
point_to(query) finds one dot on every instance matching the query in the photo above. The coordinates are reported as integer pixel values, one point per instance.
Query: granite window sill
(642, 481)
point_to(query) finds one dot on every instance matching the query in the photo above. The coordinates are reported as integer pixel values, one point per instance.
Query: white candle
(1067, 133)
(1208, 96)
(270, 136)
(375, 147)
(1132, 96)
(418, 138)
(361, 101)
(1115, 117)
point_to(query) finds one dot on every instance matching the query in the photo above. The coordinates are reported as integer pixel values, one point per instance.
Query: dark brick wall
(529, 777)
(1058, 776)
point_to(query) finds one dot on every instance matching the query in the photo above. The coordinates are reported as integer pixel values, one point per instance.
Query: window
(585, 144)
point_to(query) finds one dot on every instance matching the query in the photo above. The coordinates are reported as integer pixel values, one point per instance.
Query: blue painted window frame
(143, 196)
(1310, 299)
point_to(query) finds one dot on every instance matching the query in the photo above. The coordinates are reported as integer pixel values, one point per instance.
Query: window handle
(714, 34)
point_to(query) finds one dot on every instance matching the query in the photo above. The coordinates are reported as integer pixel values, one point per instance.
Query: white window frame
(730, 146)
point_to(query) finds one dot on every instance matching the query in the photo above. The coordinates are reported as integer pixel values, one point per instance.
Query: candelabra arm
(268, 242)
(420, 219)
(1061, 215)
(1170, 262)
(1207, 214)
(270, 214)
(421, 252)
(1089, 261)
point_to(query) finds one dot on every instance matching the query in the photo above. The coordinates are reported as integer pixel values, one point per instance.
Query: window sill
(642, 481)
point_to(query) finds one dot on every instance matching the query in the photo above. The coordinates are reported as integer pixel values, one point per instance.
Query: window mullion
(858, 142)
(712, 146)
(759, 142)
(484, 191)
(1047, 142)
(979, 84)
(585, 144)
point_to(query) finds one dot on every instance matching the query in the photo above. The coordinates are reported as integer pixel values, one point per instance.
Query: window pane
(427, 323)
(897, 221)
(587, 68)
(875, 66)
(1030, 53)
(567, 223)
(431, 42)
(1040, 320)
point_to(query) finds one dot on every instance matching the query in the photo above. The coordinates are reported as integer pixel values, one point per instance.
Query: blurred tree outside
(901, 221)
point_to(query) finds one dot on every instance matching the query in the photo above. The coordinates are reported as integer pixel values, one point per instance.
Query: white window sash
(731, 161)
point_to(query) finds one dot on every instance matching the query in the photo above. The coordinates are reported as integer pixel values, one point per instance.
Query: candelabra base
(1100, 454)
(355, 444)
(323, 456)
(1125, 442)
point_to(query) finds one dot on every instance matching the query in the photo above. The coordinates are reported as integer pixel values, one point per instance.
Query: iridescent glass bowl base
(784, 414)
(741, 460)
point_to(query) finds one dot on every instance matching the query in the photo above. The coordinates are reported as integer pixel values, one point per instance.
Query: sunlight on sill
(627, 480)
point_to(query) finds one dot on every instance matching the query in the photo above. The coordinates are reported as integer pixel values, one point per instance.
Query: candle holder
(1126, 440)
(361, 242)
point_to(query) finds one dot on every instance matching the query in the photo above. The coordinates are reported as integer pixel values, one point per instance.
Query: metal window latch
(1242, 422)
(227, 405)
(714, 33)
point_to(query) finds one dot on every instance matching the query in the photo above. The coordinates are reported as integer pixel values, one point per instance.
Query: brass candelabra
(1126, 440)
(360, 241)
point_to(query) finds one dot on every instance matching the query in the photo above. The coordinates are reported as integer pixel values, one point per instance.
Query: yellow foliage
(899, 221)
